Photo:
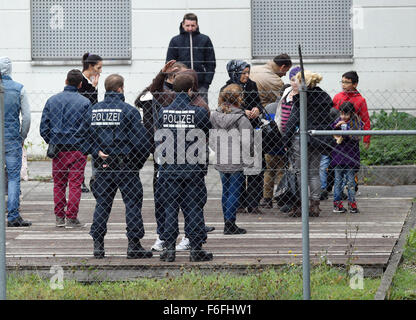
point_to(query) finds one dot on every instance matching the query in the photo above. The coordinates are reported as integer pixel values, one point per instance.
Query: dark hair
(351, 75)
(347, 108)
(183, 82)
(74, 78)
(190, 16)
(90, 60)
(113, 82)
(283, 59)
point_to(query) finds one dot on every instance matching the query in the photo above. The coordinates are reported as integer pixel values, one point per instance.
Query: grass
(327, 283)
(404, 281)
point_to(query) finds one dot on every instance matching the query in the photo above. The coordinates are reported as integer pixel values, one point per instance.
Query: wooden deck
(272, 238)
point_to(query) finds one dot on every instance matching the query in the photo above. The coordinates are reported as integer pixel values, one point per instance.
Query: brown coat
(268, 82)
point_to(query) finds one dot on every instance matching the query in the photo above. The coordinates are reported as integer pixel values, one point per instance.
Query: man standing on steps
(195, 50)
(181, 175)
(61, 126)
(15, 103)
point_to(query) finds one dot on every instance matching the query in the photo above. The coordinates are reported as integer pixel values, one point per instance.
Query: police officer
(181, 155)
(121, 143)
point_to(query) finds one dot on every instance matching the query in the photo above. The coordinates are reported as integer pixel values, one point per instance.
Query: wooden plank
(396, 256)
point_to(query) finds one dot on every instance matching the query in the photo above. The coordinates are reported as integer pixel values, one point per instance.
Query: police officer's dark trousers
(189, 195)
(118, 175)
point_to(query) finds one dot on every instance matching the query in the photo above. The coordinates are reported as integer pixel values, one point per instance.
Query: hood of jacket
(5, 66)
(182, 30)
(226, 121)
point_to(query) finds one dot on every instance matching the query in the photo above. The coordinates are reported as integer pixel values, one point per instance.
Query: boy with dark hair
(346, 157)
(350, 93)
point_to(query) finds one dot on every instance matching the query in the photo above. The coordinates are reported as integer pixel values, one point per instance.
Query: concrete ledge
(387, 175)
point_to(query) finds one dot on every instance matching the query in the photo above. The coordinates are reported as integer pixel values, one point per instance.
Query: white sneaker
(183, 245)
(158, 246)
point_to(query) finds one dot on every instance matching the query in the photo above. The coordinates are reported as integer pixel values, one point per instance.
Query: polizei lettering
(102, 117)
(178, 118)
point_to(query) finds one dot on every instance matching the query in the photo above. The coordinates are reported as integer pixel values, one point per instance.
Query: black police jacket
(116, 129)
(181, 139)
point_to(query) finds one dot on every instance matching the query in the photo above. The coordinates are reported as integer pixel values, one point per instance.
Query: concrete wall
(384, 50)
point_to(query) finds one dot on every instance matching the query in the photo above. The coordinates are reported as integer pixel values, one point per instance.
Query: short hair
(351, 75)
(347, 108)
(183, 82)
(113, 82)
(74, 78)
(90, 59)
(283, 59)
(231, 95)
(190, 16)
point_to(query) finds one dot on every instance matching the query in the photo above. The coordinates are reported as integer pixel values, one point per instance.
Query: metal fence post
(2, 201)
(304, 184)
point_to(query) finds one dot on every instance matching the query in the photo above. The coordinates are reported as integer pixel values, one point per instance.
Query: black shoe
(168, 254)
(324, 195)
(286, 208)
(266, 203)
(136, 251)
(84, 188)
(19, 222)
(99, 252)
(231, 228)
(209, 229)
(198, 255)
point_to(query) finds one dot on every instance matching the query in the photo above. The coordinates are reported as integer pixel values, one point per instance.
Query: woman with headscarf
(239, 72)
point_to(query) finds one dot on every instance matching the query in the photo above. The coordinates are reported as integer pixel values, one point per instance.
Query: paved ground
(272, 238)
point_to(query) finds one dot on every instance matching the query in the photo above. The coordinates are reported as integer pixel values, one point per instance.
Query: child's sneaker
(353, 207)
(338, 207)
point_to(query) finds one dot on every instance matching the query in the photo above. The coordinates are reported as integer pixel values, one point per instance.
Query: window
(65, 30)
(322, 27)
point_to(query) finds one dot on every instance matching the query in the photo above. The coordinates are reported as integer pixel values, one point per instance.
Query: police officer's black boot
(99, 252)
(169, 253)
(136, 251)
(231, 228)
(198, 254)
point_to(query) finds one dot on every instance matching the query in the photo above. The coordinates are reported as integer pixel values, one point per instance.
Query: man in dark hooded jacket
(195, 50)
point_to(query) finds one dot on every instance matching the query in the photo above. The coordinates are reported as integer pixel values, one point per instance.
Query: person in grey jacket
(230, 121)
(16, 103)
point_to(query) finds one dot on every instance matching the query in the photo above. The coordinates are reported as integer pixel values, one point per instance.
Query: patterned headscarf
(235, 68)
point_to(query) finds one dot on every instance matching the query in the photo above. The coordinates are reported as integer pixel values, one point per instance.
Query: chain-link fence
(174, 184)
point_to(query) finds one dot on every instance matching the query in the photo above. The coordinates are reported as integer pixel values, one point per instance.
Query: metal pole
(2, 201)
(304, 184)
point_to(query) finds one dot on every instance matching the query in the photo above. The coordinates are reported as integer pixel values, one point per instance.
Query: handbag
(272, 138)
(287, 191)
(52, 151)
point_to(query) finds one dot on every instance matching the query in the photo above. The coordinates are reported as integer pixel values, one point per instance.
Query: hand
(340, 123)
(248, 114)
(255, 113)
(95, 80)
(103, 156)
(366, 145)
(168, 68)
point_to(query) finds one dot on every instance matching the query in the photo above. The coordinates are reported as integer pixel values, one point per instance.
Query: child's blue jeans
(232, 185)
(348, 174)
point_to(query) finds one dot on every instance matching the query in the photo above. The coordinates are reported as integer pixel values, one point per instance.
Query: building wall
(384, 50)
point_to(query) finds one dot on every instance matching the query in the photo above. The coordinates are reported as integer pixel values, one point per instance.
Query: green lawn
(327, 283)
